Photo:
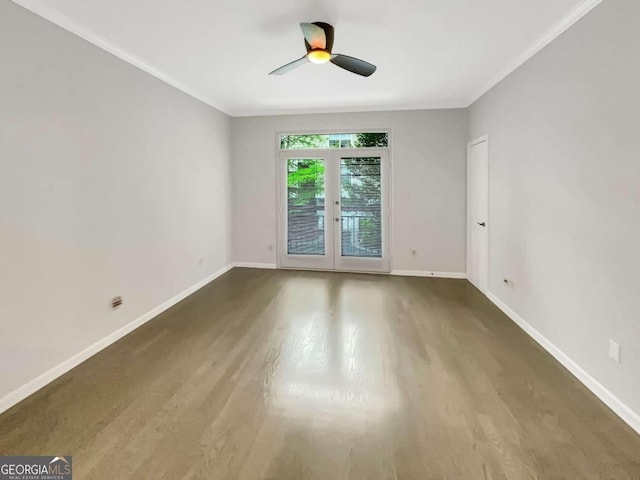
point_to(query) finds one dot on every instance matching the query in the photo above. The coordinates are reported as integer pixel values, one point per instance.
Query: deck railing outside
(361, 231)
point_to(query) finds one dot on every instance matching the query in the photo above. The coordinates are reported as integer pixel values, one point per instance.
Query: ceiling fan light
(319, 56)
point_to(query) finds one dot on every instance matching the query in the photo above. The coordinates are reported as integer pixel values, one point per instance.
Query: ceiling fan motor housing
(318, 55)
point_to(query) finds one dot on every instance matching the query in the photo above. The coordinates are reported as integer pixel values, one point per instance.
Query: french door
(333, 211)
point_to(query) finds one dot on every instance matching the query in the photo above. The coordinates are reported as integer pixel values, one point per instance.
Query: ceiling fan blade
(290, 66)
(314, 35)
(354, 65)
(328, 33)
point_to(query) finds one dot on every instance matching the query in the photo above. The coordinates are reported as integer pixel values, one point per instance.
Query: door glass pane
(305, 206)
(360, 185)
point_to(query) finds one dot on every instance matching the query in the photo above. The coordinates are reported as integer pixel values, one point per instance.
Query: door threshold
(300, 269)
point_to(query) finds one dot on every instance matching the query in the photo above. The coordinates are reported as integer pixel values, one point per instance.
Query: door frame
(469, 220)
(388, 216)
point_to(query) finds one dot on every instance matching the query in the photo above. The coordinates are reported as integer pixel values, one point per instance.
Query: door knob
(337, 219)
(482, 224)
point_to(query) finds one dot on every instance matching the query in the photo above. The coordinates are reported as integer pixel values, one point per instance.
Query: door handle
(337, 219)
(482, 224)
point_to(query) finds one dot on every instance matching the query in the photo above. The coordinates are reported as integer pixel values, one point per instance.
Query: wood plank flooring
(302, 375)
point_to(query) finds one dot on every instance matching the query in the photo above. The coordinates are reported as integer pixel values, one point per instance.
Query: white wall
(565, 192)
(111, 183)
(428, 190)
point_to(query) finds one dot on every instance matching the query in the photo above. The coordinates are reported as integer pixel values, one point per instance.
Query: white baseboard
(421, 273)
(403, 273)
(254, 265)
(608, 398)
(37, 383)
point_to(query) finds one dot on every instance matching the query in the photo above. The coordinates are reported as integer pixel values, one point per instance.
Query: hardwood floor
(301, 375)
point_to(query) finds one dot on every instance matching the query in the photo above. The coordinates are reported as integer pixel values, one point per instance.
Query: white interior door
(478, 213)
(334, 210)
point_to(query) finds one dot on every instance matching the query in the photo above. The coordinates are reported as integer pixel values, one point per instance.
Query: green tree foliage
(305, 180)
(369, 231)
(361, 181)
(305, 197)
(363, 140)
(302, 142)
(341, 140)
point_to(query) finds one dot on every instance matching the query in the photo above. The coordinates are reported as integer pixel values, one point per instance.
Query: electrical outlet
(200, 261)
(116, 301)
(614, 351)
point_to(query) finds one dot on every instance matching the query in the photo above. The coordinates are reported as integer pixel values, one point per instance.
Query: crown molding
(349, 109)
(556, 30)
(43, 10)
(40, 8)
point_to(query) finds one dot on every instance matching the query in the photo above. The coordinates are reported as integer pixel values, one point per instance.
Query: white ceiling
(429, 53)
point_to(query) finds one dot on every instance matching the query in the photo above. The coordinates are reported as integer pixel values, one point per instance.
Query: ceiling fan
(318, 38)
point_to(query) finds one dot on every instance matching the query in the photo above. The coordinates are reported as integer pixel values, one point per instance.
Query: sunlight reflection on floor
(340, 375)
